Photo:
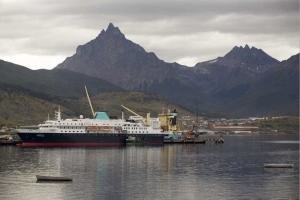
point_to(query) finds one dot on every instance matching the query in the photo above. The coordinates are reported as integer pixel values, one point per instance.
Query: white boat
(278, 165)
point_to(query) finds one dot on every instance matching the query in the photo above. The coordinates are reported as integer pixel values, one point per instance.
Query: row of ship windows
(137, 131)
(84, 132)
(134, 128)
(80, 124)
(78, 127)
(70, 127)
(64, 127)
(130, 125)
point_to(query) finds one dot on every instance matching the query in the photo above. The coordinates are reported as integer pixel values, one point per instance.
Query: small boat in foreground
(53, 178)
(281, 165)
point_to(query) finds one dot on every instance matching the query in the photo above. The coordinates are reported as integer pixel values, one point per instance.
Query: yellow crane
(89, 100)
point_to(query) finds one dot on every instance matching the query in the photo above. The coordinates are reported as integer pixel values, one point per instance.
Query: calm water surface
(233, 170)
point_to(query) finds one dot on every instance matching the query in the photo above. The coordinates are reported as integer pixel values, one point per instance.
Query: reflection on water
(233, 170)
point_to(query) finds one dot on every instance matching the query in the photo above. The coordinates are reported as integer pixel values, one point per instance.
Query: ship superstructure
(73, 132)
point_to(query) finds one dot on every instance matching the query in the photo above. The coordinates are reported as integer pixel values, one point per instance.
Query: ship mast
(58, 114)
(89, 100)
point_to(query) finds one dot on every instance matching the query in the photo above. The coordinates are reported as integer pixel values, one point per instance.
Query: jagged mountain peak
(107, 40)
(111, 26)
(245, 56)
(111, 31)
(113, 57)
(245, 49)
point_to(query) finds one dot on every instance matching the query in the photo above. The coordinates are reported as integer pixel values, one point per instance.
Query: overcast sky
(42, 33)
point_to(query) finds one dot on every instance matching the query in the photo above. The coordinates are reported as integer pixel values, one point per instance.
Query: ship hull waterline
(85, 139)
(71, 139)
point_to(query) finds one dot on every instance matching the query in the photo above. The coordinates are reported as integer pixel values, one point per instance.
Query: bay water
(233, 170)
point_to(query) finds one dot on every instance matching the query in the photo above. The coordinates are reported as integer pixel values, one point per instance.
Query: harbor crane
(145, 120)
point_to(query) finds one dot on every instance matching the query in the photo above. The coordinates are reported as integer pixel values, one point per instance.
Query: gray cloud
(176, 30)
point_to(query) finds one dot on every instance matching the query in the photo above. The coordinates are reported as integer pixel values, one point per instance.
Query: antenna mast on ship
(89, 100)
(58, 114)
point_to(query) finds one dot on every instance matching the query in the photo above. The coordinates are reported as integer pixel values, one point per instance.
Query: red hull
(66, 144)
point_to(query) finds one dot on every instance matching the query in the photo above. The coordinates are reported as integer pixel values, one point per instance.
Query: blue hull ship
(30, 139)
(100, 131)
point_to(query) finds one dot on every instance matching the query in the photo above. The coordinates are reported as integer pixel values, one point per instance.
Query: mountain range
(234, 84)
(29, 96)
(244, 82)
